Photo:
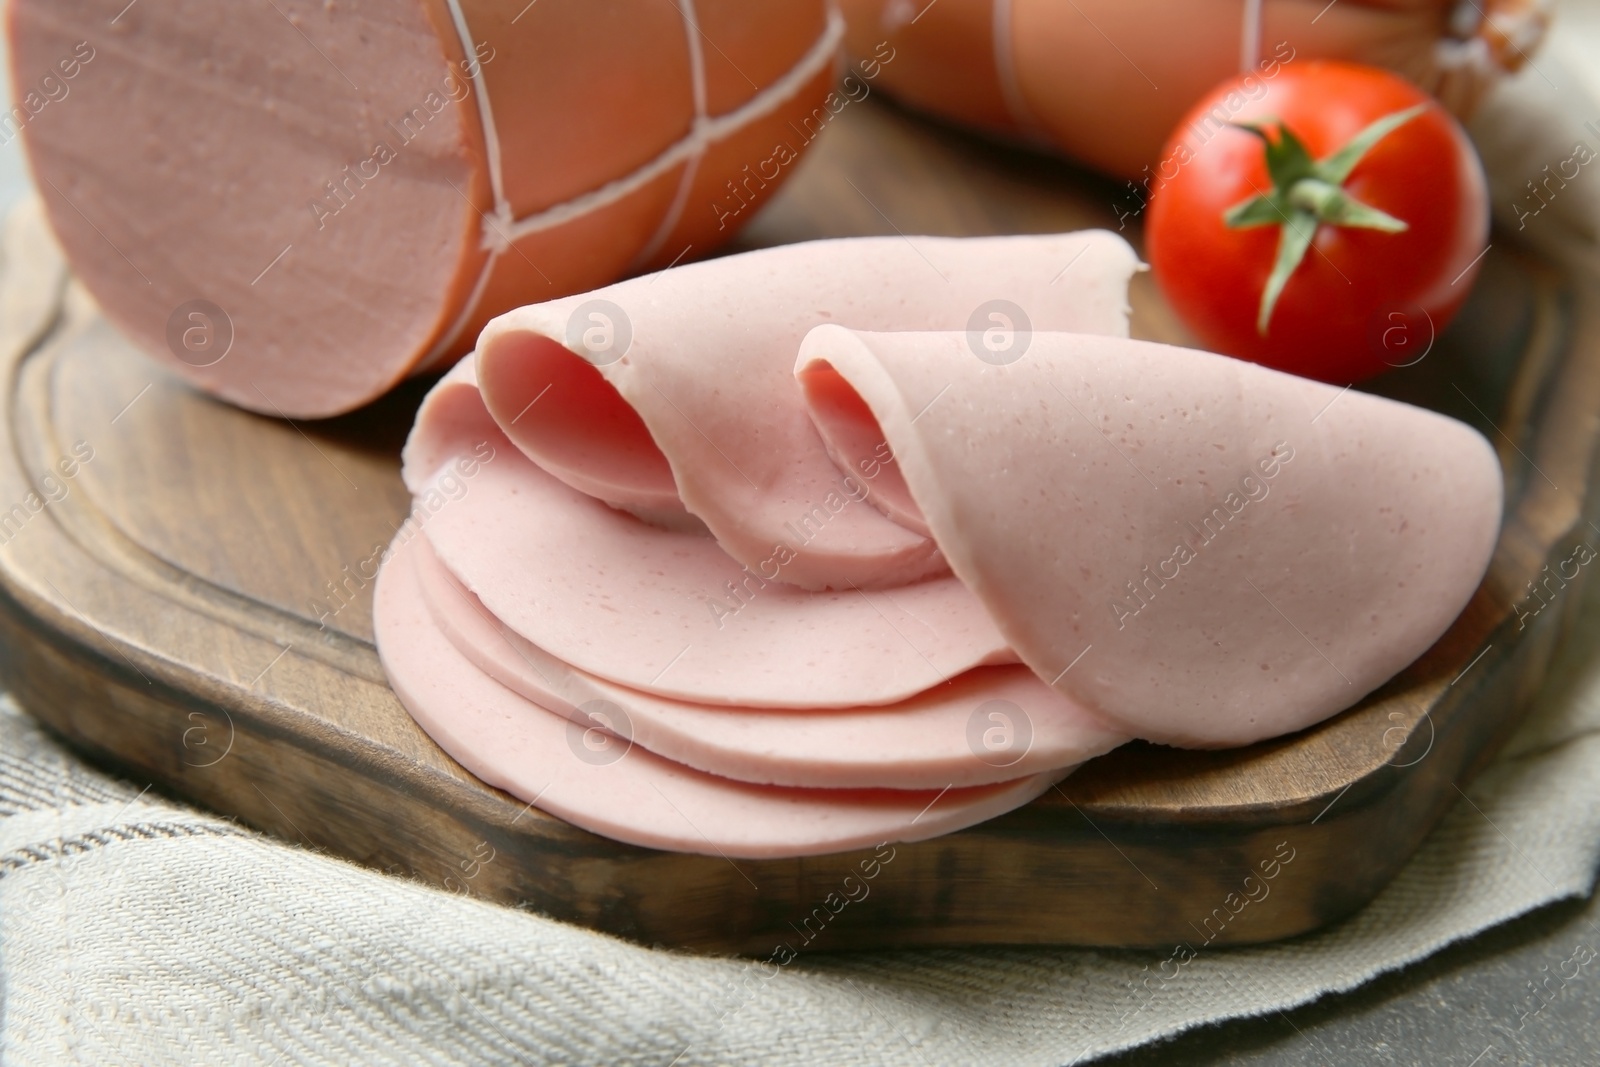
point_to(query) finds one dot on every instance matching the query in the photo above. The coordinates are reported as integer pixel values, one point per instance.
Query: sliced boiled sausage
(601, 783)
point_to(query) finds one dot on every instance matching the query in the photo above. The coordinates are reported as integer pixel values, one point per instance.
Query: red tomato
(1360, 300)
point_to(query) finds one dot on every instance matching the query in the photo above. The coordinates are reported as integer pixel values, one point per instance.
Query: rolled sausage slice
(675, 393)
(1202, 549)
(295, 204)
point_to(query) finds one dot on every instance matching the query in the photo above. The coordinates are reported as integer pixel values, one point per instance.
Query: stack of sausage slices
(820, 546)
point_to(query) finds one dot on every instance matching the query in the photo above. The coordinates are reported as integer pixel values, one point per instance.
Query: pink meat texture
(874, 539)
(619, 789)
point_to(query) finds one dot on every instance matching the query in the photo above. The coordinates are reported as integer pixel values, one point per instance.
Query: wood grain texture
(167, 610)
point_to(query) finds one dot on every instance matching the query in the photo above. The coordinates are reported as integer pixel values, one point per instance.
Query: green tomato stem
(1307, 194)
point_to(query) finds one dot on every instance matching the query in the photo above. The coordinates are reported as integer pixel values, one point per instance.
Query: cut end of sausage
(272, 202)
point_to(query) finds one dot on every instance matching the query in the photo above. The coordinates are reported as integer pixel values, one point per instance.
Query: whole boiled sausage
(295, 204)
(1105, 81)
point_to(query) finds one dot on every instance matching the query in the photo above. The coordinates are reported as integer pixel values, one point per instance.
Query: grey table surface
(1460, 1007)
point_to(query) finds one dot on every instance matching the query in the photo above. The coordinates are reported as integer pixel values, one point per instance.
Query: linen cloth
(135, 931)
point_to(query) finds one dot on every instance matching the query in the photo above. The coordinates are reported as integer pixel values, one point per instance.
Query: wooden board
(160, 610)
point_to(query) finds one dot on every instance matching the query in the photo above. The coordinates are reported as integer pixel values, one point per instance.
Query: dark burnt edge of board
(1532, 391)
(1555, 318)
(489, 802)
